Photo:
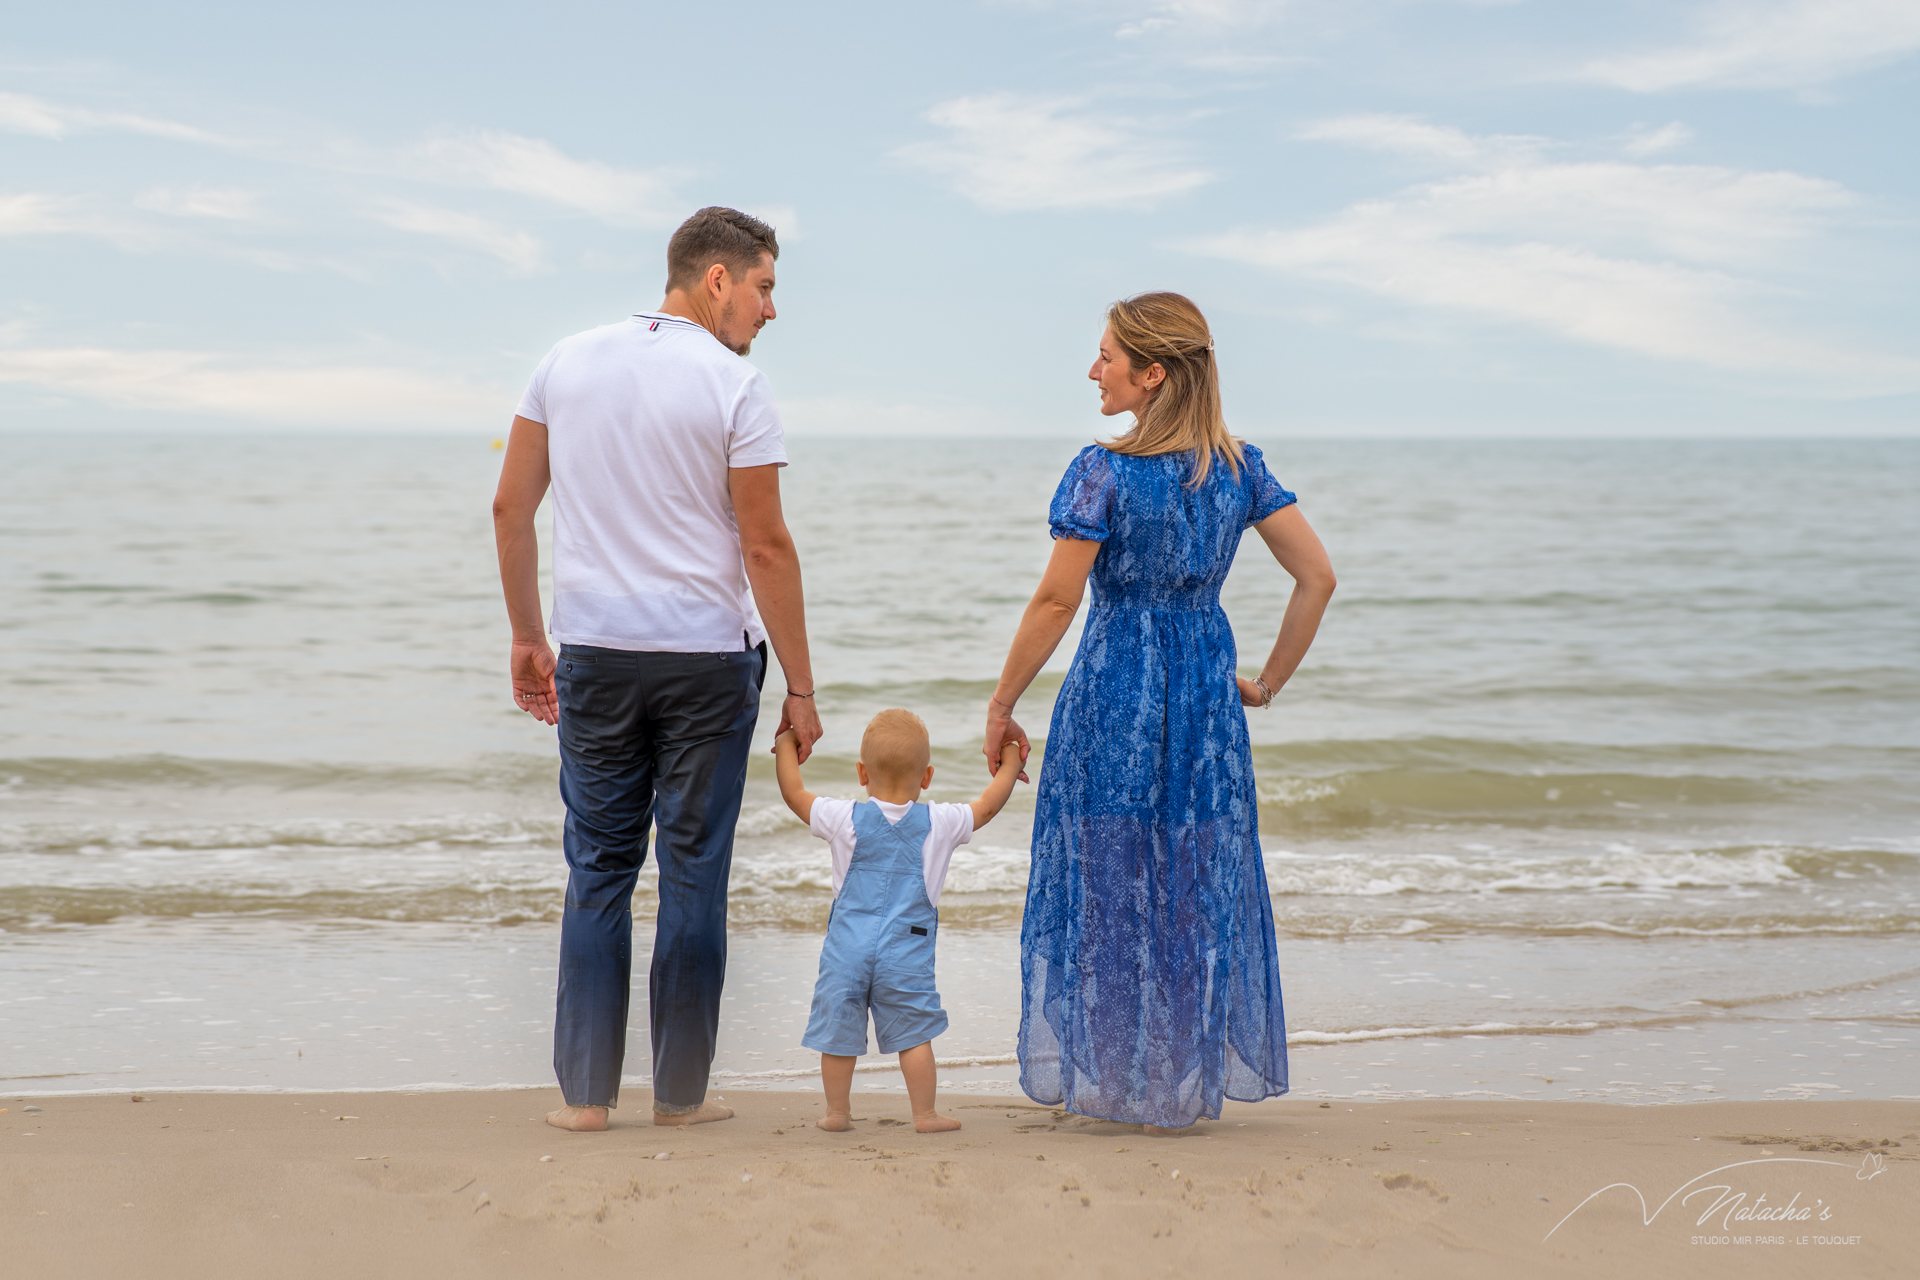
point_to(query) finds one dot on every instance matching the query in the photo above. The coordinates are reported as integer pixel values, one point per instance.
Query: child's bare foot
(835, 1122)
(934, 1122)
(579, 1119)
(703, 1114)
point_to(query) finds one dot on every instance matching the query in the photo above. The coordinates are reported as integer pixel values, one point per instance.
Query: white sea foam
(883, 1065)
(1406, 1033)
(1487, 870)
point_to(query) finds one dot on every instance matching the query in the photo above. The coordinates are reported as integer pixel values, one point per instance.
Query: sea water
(1601, 781)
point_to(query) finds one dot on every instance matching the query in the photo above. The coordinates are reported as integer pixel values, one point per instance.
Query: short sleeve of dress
(1083, 504)
(1268, 497)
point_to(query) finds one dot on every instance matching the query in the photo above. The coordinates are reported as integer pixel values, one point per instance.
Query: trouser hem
(580, 1094)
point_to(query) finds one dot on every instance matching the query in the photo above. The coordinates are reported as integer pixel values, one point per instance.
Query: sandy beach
(475, 1184)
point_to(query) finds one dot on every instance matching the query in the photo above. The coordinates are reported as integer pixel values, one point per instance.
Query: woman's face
(1123, 389)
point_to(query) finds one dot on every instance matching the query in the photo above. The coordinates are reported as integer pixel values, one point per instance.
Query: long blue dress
(1151, 984)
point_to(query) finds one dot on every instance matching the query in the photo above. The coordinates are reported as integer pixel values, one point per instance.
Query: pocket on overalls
(913, 947)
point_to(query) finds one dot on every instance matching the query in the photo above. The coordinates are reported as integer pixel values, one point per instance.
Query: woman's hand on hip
(1002, 728)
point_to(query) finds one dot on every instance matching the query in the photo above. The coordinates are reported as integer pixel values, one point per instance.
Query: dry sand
(217, 1185)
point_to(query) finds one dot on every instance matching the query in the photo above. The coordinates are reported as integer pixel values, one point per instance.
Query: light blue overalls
(879, 949)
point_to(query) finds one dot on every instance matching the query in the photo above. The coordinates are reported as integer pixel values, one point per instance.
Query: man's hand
(523, 482)
(1002, 728)
(532, 664)
(798, 718)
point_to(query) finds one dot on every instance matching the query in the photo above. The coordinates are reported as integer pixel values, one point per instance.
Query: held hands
(531, 664)
(800, 722)
(1003, 730)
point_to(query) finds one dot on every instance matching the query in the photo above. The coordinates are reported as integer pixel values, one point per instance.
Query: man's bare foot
(835, 1122)
(579, 1119)
(707, 1111)
(934, 1122)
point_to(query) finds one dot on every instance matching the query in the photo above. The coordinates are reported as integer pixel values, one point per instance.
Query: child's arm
(786, 767)
(994, 798)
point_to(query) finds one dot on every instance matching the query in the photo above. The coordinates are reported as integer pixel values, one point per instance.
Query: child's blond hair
(895, 747)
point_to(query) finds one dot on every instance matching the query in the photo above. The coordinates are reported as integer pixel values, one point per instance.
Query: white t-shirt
(643, 419)
(952, 826)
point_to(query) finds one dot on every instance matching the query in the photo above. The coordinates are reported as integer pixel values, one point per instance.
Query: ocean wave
(1380, 797)
(92, 838)
(506, 868)
(1490, 870)
(883, 1065)
(1316, 924)
(33, 907)
(1452, 1032)
(28, 776)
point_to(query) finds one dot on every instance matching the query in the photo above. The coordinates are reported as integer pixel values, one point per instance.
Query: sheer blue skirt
(1150, 975)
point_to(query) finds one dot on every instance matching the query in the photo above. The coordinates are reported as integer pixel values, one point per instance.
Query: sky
(1402, 217)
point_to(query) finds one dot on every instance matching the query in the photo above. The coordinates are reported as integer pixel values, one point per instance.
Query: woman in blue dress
(1151, 984)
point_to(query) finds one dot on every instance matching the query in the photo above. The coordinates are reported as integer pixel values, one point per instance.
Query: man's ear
(716, 279)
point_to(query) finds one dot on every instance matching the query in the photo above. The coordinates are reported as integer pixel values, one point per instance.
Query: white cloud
(535, 167)
(1686, 211)
(1771, 44)
(225, 204)
(783, 218)
(1163, 14)
(1412, 136)
(518, 249)
(34, 213)
(20, 113)
(1648, 142)
(345, 395)
(1640, 258)
(1008, 151)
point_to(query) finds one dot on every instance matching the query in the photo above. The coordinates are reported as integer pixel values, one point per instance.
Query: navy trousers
(656, 739)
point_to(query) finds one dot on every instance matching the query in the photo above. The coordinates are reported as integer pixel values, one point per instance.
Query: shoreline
(237, 1006)
(393, 1183)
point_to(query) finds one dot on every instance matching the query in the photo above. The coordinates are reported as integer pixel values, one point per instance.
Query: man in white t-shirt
(662, 449)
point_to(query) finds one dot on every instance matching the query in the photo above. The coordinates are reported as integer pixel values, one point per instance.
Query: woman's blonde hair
(1184, 414)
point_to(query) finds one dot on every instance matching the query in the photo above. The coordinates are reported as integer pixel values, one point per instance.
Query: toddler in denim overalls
(890, 856)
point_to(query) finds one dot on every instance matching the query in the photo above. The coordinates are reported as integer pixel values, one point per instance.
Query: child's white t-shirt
(952, 826)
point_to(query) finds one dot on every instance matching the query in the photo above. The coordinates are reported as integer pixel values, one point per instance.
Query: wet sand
(475, 1184)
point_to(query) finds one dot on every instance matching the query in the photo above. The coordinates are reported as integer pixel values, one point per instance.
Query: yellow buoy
(499, 444)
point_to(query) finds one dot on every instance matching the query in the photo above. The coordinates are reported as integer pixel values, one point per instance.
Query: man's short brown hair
(717, 234)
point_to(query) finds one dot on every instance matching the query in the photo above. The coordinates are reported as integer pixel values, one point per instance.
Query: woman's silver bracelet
(1266, 694)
